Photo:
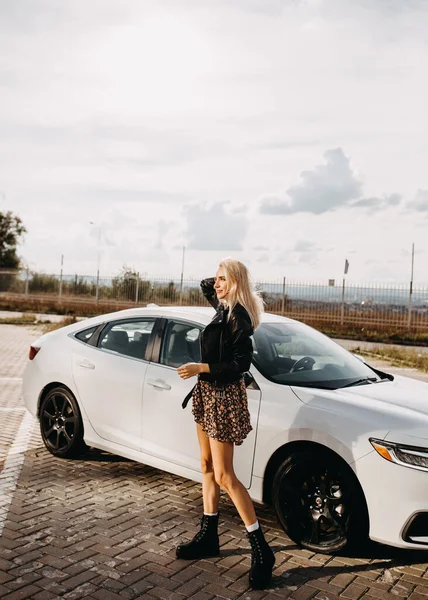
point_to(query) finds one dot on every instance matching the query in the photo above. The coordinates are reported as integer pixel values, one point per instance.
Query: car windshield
(296, 354)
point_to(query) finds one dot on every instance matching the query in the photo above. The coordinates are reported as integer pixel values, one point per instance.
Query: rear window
(86, 334)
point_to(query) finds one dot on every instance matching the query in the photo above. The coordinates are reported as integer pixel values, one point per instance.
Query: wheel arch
(284, 451)
(50, 386)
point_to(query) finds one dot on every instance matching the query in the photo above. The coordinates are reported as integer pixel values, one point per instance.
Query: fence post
(409, 311)
(181, 291)
(60, 278)
(342, 308)
(136, 288)
(98, 286)
(283, 297)
(27, 281)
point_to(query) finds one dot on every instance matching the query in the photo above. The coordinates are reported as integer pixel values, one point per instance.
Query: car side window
(180, 344)
(86, 334)
(129, 338)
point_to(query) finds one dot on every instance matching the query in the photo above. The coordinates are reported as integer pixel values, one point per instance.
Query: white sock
(211, 514)
(252, 527)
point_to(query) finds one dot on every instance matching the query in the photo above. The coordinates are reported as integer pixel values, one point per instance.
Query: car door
(168, 430)
(109, 379)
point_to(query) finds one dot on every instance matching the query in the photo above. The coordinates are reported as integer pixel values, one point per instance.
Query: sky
(289, 134)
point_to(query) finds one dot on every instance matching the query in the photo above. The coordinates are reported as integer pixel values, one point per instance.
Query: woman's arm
(242, 349)
(207, 286)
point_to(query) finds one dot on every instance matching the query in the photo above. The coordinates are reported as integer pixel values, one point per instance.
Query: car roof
(200, 314)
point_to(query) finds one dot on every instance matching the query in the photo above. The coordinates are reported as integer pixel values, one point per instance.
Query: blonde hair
(240, 289)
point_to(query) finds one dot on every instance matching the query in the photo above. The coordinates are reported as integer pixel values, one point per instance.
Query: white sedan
(338, 448)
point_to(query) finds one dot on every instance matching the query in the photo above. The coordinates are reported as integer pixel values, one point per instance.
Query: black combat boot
(262, 560)
(205, 543)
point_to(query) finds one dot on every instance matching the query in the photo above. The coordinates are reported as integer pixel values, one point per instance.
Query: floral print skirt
(222, 410)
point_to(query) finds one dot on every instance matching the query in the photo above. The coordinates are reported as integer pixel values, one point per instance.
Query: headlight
(407, 456)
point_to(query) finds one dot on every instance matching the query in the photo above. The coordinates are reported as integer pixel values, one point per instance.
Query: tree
(124, 286)
(11, 231)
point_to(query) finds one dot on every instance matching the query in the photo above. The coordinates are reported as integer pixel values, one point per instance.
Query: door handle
(159, 383)
(86, 364)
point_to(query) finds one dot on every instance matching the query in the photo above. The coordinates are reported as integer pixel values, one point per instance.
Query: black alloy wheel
(318, 501)
(61, 423)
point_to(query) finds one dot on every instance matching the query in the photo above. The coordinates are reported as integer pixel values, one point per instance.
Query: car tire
(61, 424)
(319, 502)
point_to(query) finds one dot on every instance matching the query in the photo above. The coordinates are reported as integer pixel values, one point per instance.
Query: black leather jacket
(225, 344)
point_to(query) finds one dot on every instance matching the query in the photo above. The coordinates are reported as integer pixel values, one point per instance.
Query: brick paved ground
(106, 528)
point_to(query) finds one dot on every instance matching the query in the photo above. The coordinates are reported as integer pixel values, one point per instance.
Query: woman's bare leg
(210, 488)
(222, 458)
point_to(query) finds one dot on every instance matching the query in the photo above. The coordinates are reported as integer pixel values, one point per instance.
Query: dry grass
(53, 326)
(27, 319)
(46, 325)
(388, 333)
(69, 307)
(398, 357)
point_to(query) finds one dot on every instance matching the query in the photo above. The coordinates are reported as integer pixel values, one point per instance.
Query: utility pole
(98, 266)
(98, 261)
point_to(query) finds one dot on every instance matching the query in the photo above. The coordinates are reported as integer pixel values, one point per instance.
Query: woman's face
(220, 285)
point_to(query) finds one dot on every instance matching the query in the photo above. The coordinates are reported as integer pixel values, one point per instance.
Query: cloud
(163, 227)
(113, 142)
(240, 209)
(420, 201)
(303, 252)
(304, 246)
(99, 195)
(273, 205)
(375, 203)
(211, 228)
(324, 188)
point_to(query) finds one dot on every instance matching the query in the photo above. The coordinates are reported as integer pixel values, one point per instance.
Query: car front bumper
(395, 495)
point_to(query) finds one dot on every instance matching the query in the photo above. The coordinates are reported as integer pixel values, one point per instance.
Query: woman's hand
(189, 370)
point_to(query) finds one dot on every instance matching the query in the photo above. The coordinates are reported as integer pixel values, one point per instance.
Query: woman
(220, 410)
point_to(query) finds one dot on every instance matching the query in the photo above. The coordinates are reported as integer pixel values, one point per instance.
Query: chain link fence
(344, 303)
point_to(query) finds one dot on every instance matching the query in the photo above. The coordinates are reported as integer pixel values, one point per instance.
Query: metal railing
(344, 303)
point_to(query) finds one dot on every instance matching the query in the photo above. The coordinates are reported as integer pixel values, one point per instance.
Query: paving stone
(303, 593)
(103, 527)
(354, 591)
(220, 591)
(23, 593)
(190, 587)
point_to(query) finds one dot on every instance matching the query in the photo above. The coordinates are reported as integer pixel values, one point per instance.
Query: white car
(339, 448)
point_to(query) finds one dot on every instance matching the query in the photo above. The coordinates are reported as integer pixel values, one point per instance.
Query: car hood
(397, 403)
(402, 391)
